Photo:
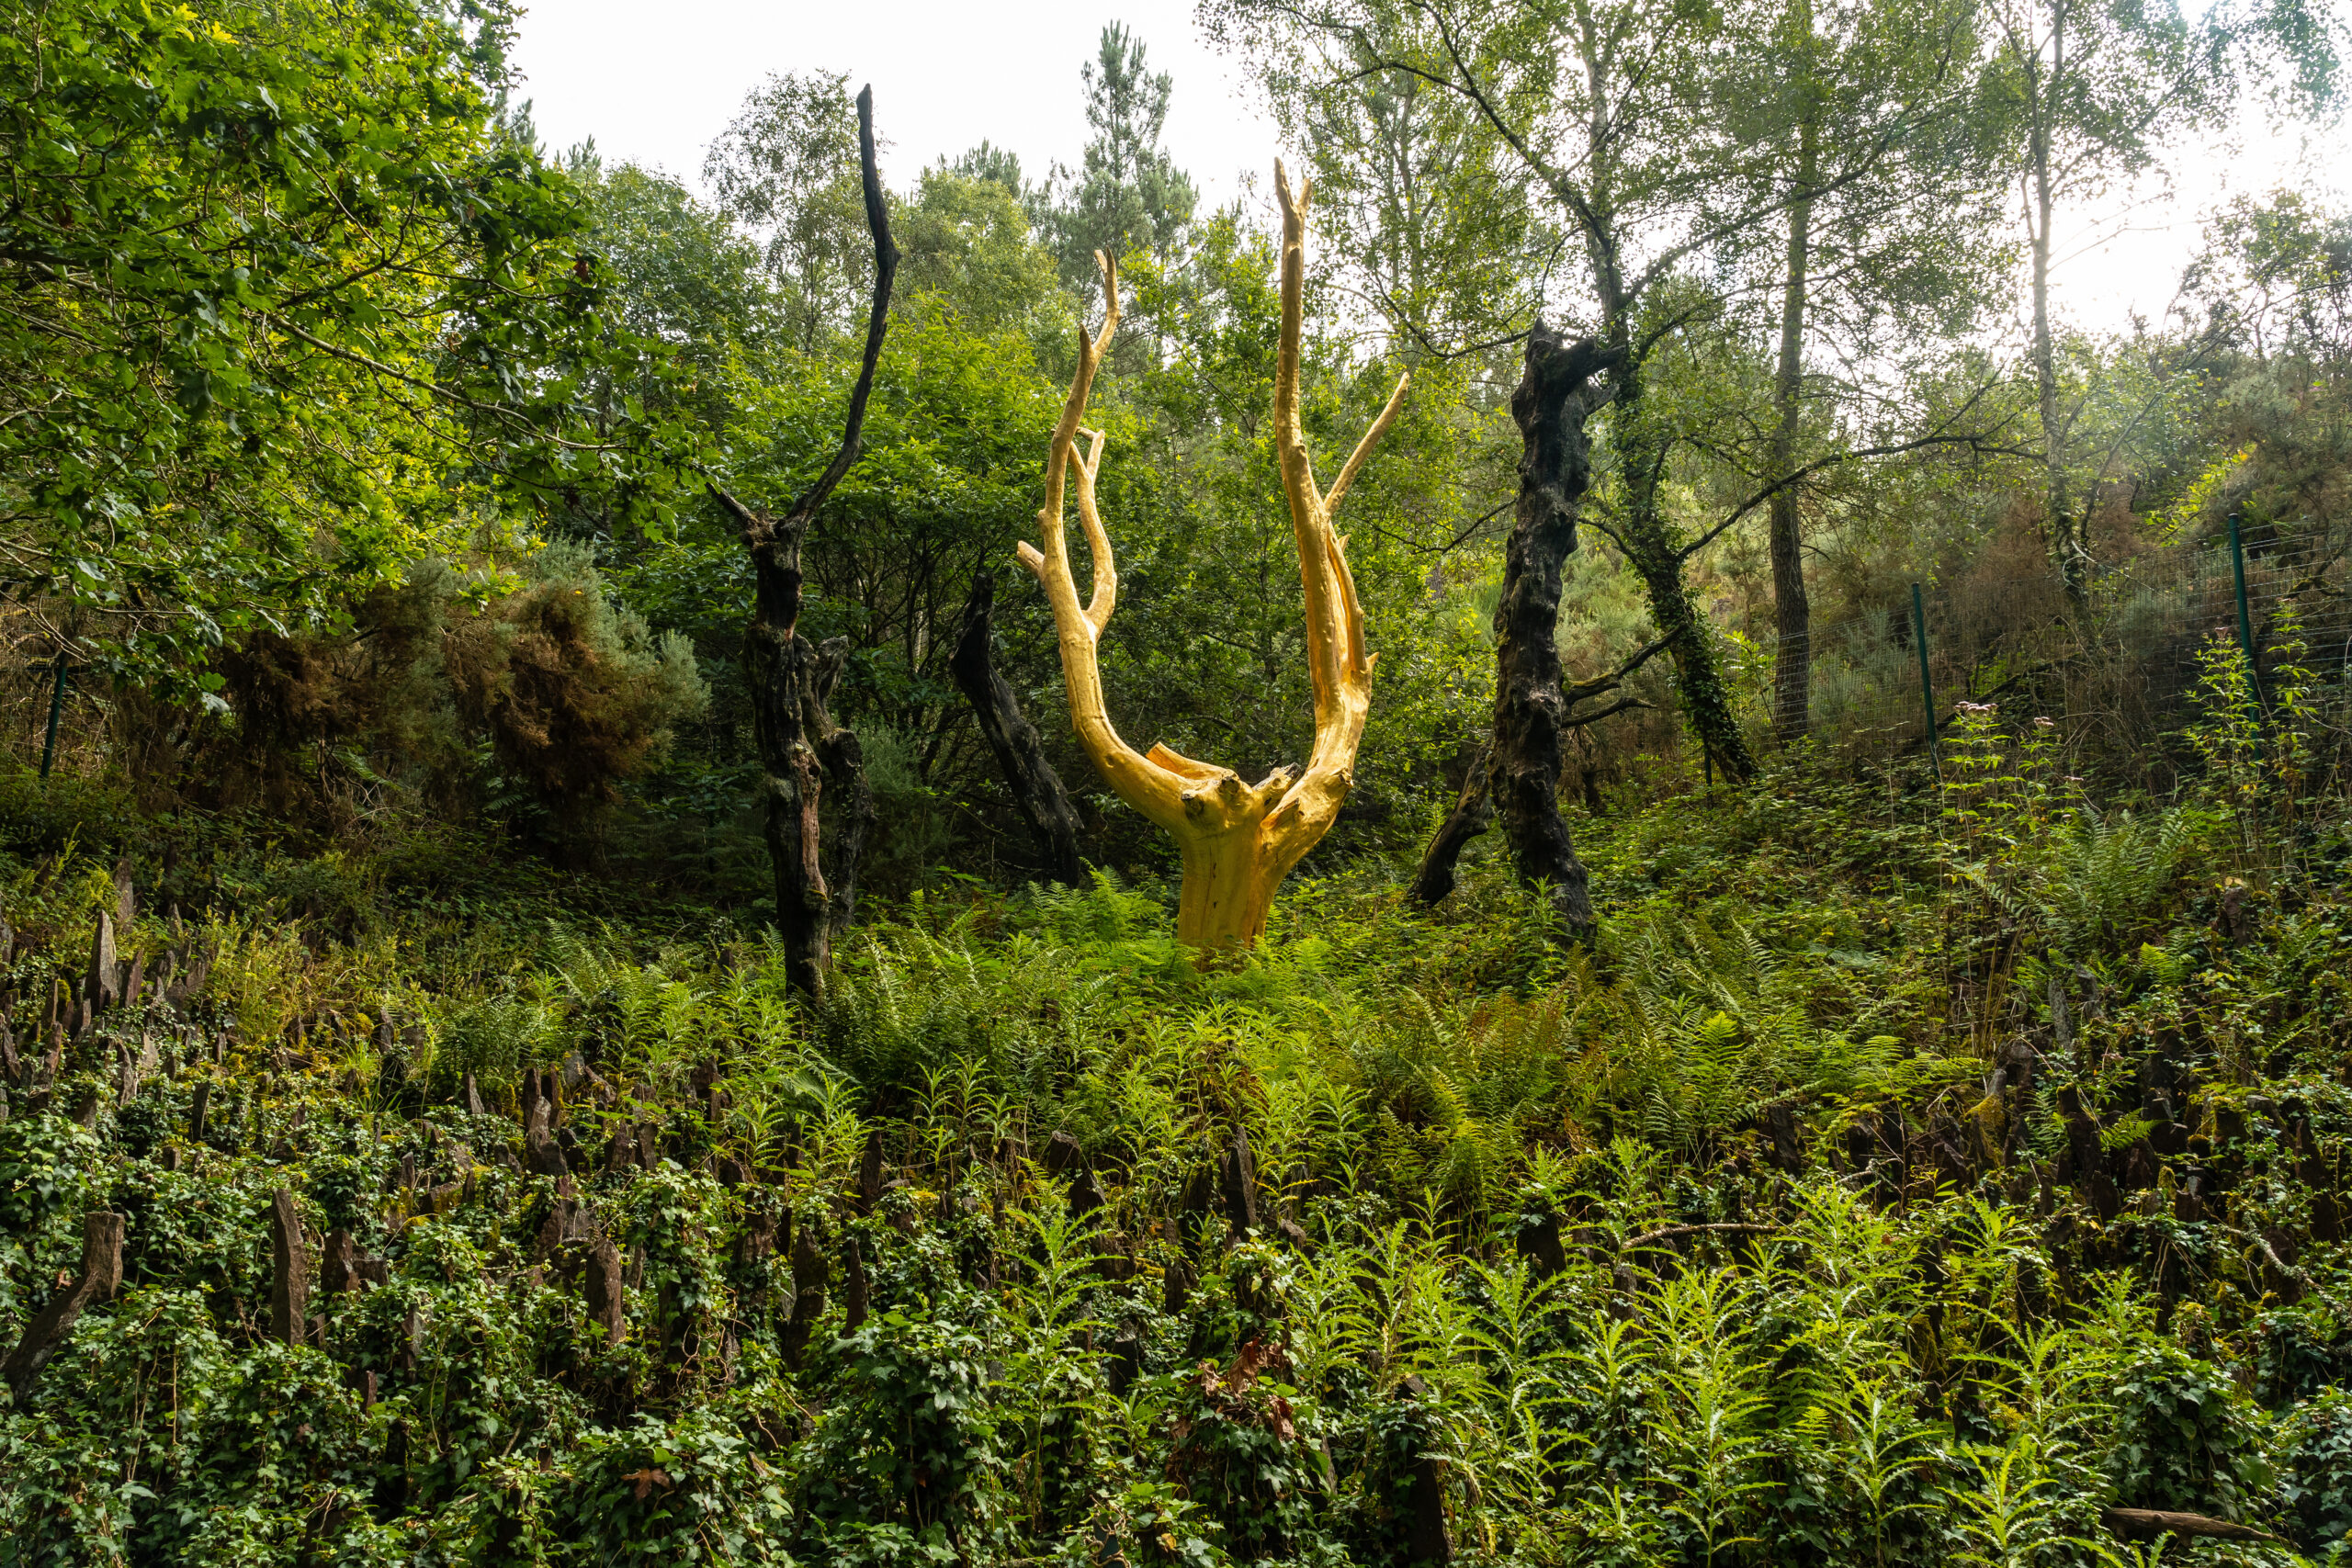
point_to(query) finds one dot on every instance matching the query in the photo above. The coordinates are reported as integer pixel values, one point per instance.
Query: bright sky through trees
(656, 83)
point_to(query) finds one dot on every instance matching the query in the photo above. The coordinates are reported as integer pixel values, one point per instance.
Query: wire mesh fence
(2119, 674)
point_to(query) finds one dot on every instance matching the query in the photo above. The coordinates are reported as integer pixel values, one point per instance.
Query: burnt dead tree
(1038, 791)
(1554, 397)
(1474, 809)
(1515, 774)
(803, 753)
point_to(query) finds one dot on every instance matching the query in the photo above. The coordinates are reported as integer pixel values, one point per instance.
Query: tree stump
(289, 1291)
(338, 1268)
(538, 1142)
(808, 1272)
(100, 1278)
(607, 1303)
(1238, 1177)
(101, 985)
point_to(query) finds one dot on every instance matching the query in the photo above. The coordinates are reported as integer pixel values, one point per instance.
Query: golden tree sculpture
(1238, 839)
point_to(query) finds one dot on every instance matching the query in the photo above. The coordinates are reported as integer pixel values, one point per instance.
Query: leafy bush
(2315, 1474)
(1711, 1242)
(2183, 1439)
(573, 691)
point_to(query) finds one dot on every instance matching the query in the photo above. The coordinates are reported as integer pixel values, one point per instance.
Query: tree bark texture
(1698, 676)
(2147, 1524)
(1473, 814)
(1020, 751)
(607, 1302)
(802, 752)
(1554, 397)
(1792, 664)
(1474, 809)
(289, 1291)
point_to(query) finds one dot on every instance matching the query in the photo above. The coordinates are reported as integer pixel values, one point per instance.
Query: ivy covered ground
(1901, 1177)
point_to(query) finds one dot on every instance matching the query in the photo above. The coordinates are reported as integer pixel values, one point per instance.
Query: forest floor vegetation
(1904, 1173)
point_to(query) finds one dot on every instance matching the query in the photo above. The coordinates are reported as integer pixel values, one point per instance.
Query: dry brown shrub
(398, 709)
(574, 694)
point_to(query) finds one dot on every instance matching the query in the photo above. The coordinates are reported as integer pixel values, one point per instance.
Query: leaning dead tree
(1516, 773)
(1474, 809)
(803, 753)
(1044, 802)
(1238, 839)
(100, 1278)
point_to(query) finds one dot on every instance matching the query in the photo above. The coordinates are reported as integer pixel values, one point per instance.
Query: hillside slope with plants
(590, 977)
(1903, 1175)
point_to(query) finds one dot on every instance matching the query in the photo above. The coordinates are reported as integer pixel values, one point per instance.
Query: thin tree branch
(1976, 442)
(1584, 691)
(1357, 458)
(1579, 721)
(886, 268)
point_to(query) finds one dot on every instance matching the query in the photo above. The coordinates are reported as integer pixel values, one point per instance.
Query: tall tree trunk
(1038, 790)
(1649, 542)
(1554, 397)
(803, 753)
(802, 750)
(1792, 667)
(1657, 559)
(2067, 549)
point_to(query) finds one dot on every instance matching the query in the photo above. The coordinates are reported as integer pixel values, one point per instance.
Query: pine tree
(1127, 194)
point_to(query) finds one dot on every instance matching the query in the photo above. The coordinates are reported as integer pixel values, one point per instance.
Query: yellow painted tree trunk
(1238, 839)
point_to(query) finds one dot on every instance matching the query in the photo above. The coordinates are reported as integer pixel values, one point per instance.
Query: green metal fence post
(56, 707)
(1927, 685)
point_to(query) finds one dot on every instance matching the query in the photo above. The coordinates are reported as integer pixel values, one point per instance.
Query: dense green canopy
(289, 306)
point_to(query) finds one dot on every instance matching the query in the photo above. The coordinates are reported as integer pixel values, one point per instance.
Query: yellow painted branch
(1371, 439)
(1238, 839)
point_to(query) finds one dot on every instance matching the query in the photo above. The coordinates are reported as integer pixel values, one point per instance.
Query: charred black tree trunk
(1473, 810)
(1517, 767)
(1554, 397)
(1473, 814)
(802, 752)
(1038, 790)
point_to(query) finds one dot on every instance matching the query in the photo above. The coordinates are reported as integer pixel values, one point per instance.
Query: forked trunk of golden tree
(1238, 839)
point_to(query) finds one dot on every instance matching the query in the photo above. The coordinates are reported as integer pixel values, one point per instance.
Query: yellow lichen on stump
(1238, 839)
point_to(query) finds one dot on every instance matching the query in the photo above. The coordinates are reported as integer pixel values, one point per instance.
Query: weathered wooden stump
(607, 1303)
(538, 1139)
(101, 984)
(289, 1292)
(1238, 1182)
(808, 1273)
(338, 1267)
(100, 1278)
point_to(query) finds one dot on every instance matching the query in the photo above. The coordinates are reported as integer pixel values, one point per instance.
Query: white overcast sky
(655, 83)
